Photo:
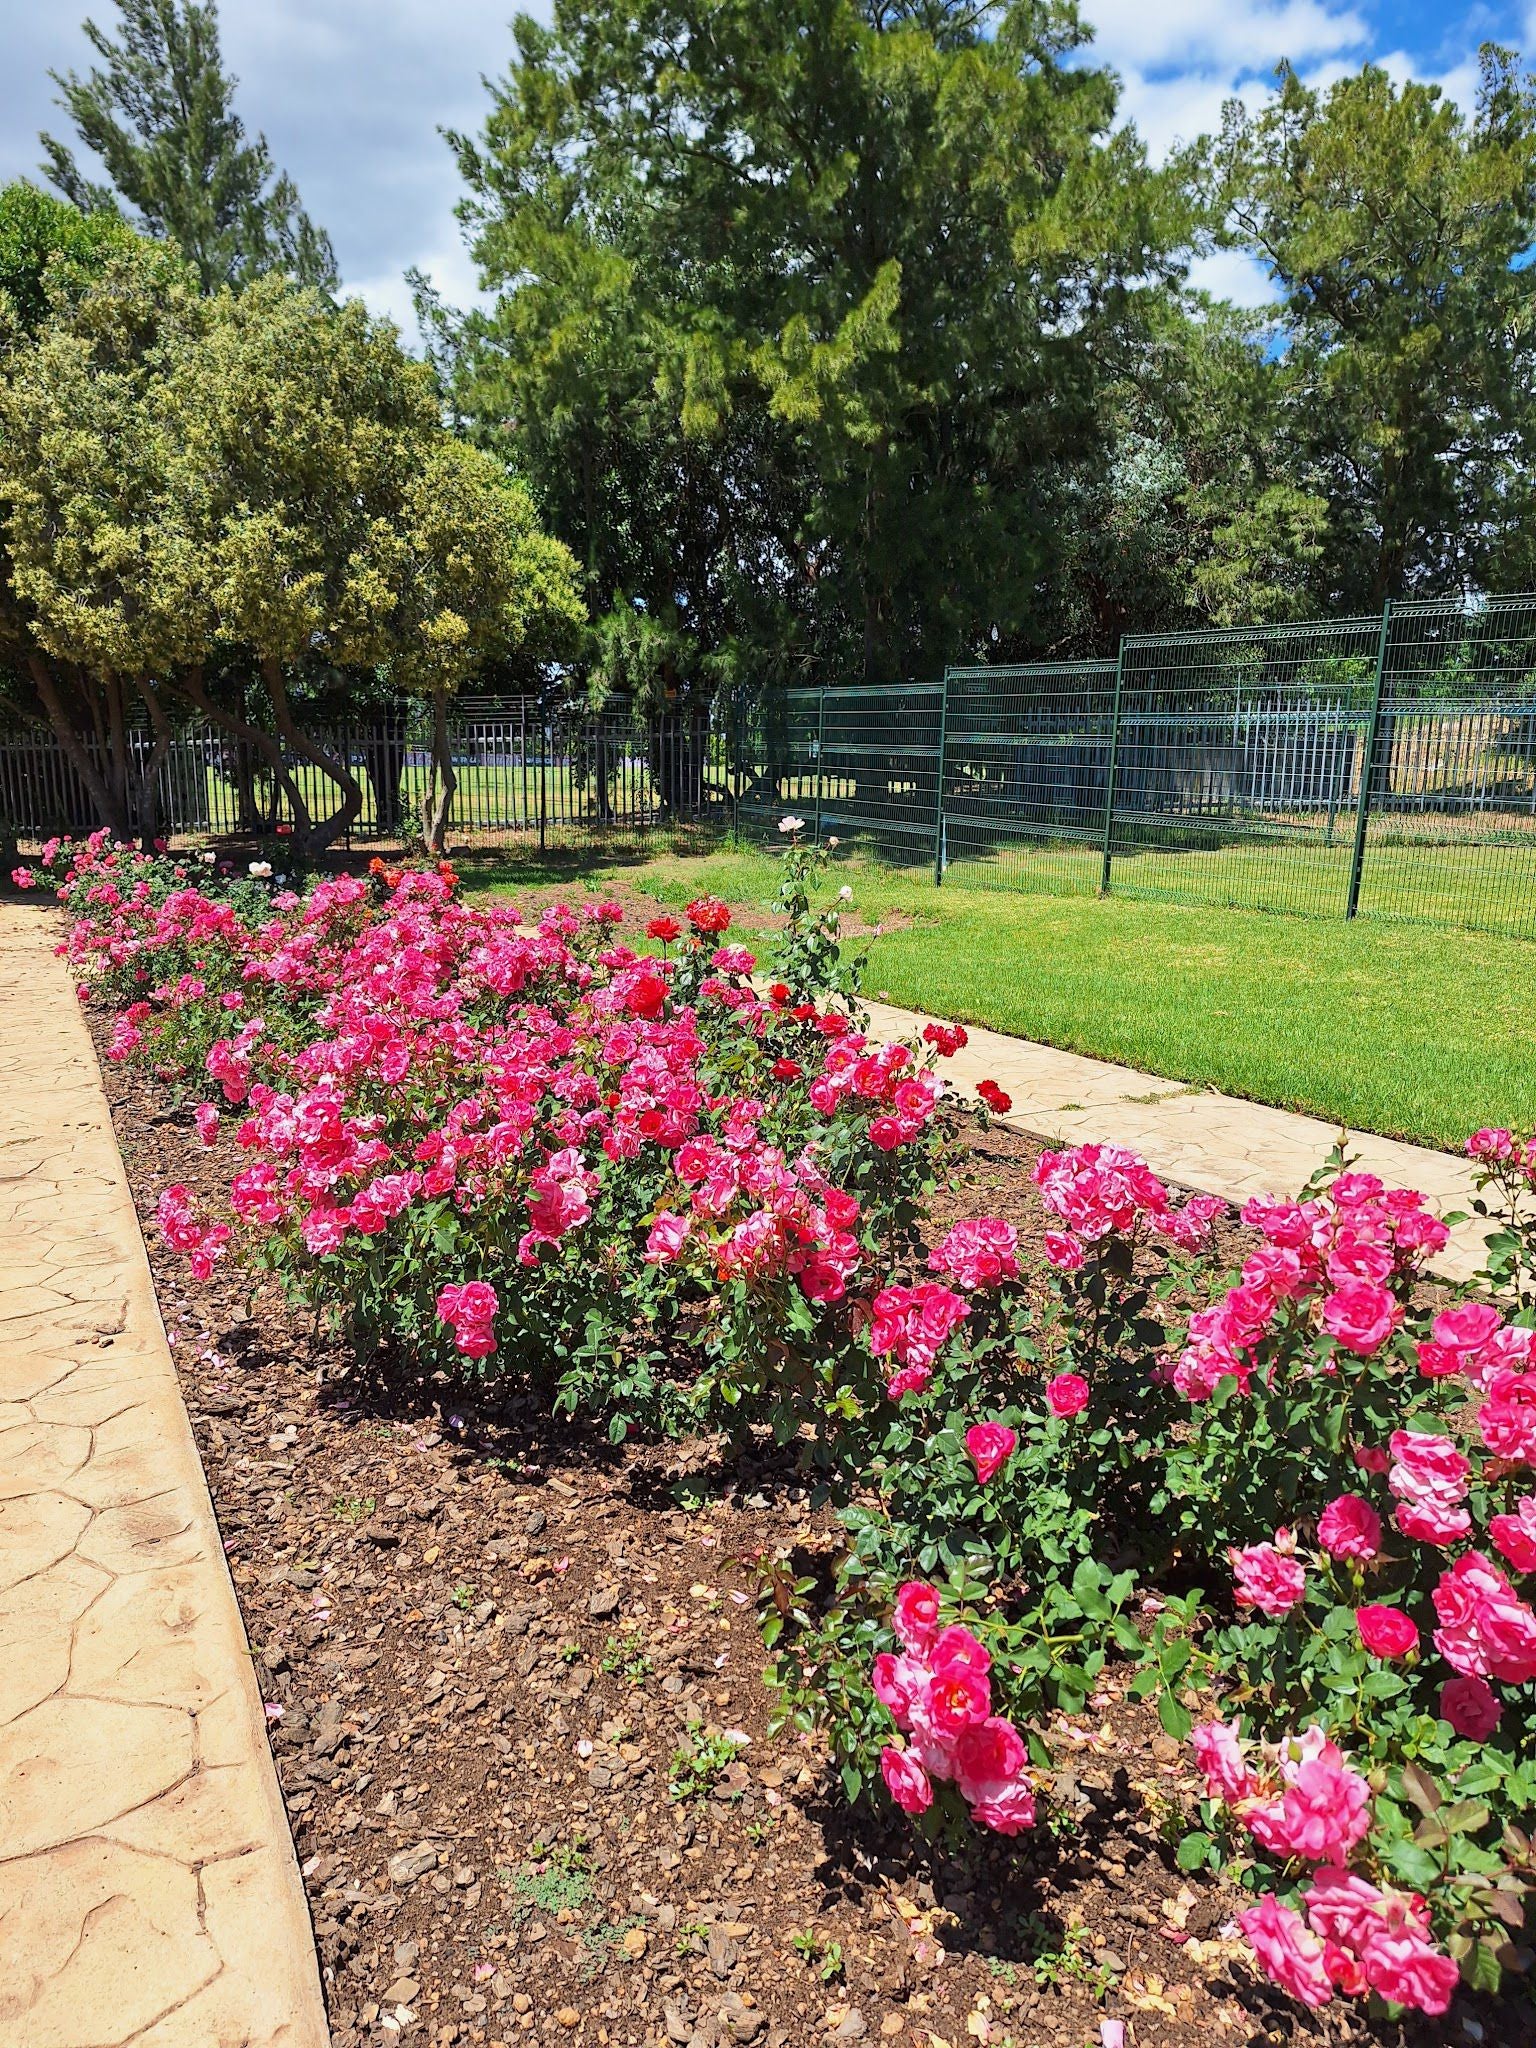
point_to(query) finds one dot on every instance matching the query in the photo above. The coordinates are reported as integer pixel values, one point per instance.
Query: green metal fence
(1382, 766)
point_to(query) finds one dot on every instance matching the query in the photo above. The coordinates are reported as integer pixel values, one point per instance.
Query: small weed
(694, 1773)
(348, 1507)
(464, 1598)
(687, 1496)
(1069, 1963)
(761, 1830)
(554, 1880)
(600, 1942)
(824, 1957)
(689, 1932)
(625, 1657)
(569, 1653)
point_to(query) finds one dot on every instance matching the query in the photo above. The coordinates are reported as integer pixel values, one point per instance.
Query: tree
(256, 486)
(160, 116)
(799, 309)
(477, 584)
(77, 480)
(1394, 227)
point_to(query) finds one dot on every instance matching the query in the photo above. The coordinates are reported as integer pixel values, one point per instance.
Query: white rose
(787, 825)
(261, 869)
(845, 894)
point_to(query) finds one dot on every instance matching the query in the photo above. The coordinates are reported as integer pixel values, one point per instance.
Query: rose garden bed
(526, 1423)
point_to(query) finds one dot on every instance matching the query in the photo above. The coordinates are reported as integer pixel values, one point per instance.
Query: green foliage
(1392, 223)
(699, 1764)
(255, 484)
(797, 306)
(35, 230)
(159, 114)
(554, 1880)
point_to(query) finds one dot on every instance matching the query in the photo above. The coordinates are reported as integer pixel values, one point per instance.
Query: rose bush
(655, 1186)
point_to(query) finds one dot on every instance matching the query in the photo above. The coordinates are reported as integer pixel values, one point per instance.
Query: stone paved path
(1216, 1144)
(148, 1890)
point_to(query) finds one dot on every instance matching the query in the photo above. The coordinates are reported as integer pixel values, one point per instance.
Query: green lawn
(1411, 1031)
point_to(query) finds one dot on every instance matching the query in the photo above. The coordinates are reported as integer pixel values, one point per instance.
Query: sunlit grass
(1408, 1030)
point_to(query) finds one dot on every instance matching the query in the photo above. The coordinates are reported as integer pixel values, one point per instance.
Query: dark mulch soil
(484, 1638)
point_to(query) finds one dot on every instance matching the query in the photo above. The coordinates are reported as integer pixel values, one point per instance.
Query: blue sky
(351, 93)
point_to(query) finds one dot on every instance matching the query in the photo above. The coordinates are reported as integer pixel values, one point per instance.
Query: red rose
(1386, 1631)
(994, 1097)
(708, 914)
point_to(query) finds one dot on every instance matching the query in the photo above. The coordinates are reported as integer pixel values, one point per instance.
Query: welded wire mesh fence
(1379, 766)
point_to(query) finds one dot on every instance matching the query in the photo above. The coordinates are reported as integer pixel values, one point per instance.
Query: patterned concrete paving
(148, 1890)
(1216, 1144)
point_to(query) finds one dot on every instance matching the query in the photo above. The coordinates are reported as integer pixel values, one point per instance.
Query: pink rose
(1266, 1578)
(1471, 1706)
(1514, 1536)
(1386, 1631)
(1288, 1950)
(1219, 1757)
(1409, 1970)
(1467, 1328)
(1350, 1527)
(1507, 1419)
(987, 1753)
(1063, 1251)
(956, 1645)
(898, 1684)
(1067, 1394)
(917, 1615)
(1492, 1144)
(958, 1698)
(1343, 1908)
(1429, 1477)
(1322, 1813)
(1008, 1810)
(905, 1780)
(1361, 1316)
(980, 1252)
(666, 1238)
(1485, 1630)
(991, 1445)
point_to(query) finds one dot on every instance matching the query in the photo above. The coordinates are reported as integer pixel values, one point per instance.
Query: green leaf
(1175, 1717)
(1196, 1852)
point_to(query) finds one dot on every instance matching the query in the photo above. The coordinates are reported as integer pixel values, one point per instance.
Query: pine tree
(160, 116)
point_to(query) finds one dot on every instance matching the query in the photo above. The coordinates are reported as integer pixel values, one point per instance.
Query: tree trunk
(148, 800)
(437, 801)
(108, 811)
(190, 683)
(317, 836)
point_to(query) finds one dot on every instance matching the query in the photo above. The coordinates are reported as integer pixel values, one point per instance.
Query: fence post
(938, 809)
(545, 745)
(1112, 771)
(821, 745)
(1368, 767)
(733, 767)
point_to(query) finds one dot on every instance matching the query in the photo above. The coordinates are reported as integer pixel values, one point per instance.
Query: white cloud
(350, 95)
(1237, 37)
(1230, 274)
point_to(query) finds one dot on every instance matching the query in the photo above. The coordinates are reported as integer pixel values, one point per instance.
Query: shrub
(660, 1191)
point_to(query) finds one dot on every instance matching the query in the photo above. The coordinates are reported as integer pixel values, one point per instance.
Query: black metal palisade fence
(1383, 766)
